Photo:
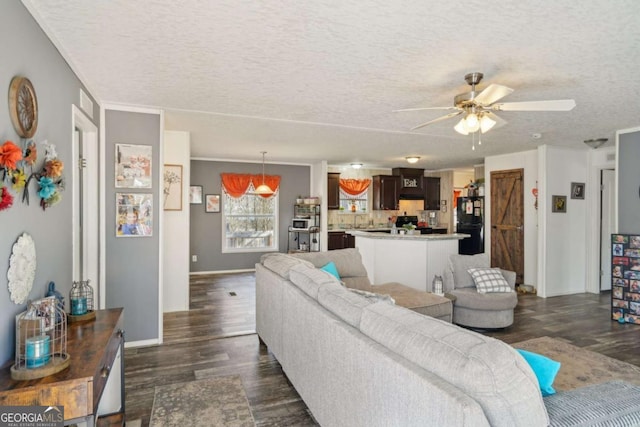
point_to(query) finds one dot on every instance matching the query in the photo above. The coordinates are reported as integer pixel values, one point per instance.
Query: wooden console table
(93, 347)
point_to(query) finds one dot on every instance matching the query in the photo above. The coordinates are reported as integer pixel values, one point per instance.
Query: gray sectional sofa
(357, 359)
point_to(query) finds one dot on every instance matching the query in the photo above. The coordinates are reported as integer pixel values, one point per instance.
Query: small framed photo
(133, 166)
(559, 204)
(134, 214)
(212, 203)
(577, 190)
(195, 194)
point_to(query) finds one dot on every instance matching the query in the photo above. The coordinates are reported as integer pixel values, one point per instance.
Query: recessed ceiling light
(536, 135)
(412, 159)
(356, 165)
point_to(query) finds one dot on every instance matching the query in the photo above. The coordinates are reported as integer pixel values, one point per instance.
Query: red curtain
(456, 194)
(237, 184)
(353, 186)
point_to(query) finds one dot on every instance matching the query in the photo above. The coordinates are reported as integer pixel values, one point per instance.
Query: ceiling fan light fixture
(596, 143)
(486, 123)
(461, 127)
(473, 124)
(412, 159)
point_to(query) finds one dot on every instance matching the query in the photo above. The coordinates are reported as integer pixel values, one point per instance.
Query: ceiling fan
(478, 108)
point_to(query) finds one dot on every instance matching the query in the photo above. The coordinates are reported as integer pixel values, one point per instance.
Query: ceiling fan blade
(553, 105)
(448, 116)
(491, 94)
(425, 108)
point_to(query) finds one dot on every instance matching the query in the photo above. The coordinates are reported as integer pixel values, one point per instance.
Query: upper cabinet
(385, 192)
(333, 190)
(431, 193)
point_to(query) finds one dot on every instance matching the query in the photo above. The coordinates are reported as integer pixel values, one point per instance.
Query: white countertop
(389, 236)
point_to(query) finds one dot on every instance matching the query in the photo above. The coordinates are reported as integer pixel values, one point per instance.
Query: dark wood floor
(216, 337)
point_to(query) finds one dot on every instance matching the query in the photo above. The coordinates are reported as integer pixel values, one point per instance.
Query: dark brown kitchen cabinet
(385, 192)
(333, 190)
(341, 240)
(431, 193)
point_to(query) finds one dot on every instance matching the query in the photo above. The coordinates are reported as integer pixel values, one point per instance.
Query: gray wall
(629, 183)
(206, 228)
(132, 273)
(25, 50)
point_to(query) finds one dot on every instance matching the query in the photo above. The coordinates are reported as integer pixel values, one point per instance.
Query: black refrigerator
(470, 220)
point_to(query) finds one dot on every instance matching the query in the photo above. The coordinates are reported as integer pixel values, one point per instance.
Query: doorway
(86, 213)
(507, 221)
(607, 212)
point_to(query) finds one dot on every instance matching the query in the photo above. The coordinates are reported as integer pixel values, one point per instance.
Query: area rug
(217, 401)
(580, 367)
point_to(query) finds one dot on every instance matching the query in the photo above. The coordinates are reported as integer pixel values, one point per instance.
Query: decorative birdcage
(81, 301)
(41, 340)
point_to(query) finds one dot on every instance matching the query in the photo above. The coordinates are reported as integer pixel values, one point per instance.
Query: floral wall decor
(17, 171)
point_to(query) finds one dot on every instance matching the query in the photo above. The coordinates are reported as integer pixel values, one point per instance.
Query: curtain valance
(354, 186)
(237, 184)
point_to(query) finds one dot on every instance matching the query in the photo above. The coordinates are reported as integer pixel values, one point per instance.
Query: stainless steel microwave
(301, 224)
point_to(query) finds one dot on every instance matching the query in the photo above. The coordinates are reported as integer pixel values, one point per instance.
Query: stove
(406, 219)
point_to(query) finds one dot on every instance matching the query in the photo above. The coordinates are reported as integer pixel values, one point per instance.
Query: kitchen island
(410, 259)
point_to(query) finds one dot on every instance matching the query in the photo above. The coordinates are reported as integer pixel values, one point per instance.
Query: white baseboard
(142, 343)
(245, 270)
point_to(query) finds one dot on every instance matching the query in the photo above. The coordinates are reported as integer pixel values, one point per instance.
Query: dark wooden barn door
(507, 221)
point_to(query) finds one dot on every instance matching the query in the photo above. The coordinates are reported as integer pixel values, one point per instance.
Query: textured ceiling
(310, 80)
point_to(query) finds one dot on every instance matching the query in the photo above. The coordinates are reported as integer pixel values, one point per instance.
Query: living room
(562, 250)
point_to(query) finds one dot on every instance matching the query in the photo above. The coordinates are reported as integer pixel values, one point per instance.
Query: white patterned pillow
(489, 280)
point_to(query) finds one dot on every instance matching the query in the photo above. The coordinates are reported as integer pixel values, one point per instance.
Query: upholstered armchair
(483, 308)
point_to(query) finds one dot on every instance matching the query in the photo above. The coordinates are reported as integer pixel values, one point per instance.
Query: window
(347, 200)
(250, 223)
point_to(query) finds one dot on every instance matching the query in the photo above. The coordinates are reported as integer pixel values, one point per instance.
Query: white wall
(562, 236)
(527, 160)
(176, 228)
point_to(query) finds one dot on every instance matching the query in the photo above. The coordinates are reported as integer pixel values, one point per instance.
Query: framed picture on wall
(577, 190)
(133, 166)
(195, 194)
(172, 187)
(212, 203)
(134, 214)
(559, 204)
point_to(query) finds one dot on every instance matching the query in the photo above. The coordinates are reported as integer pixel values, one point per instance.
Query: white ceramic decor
(22, 268)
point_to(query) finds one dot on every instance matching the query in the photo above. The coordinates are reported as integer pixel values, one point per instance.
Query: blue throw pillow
(331, 268)
(545, 369)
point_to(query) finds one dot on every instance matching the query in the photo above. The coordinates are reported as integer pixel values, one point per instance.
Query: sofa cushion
(359, 282)
(348, 261)
(310, 279)
(489, 280)
(460, 265)
(421, 302)
(343, 303)
(488, 370)
(281, 264)
(469, 297)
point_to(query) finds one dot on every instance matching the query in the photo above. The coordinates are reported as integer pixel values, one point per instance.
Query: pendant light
(263, 188)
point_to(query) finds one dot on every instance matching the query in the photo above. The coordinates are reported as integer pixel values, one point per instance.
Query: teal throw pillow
(545, 369)
(331, 268)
